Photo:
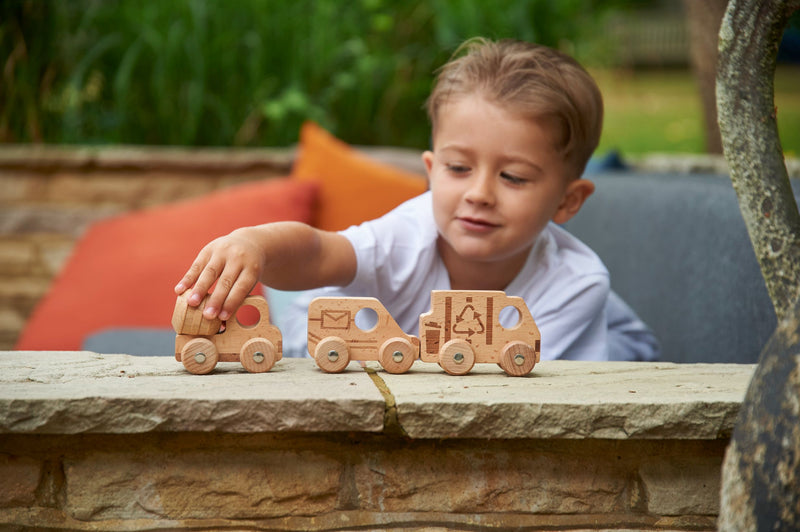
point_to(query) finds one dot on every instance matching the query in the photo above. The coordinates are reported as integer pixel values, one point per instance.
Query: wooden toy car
(201, 343)
(462, 328)
(335, 337)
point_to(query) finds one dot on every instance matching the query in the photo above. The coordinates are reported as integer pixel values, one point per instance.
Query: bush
(246, 72)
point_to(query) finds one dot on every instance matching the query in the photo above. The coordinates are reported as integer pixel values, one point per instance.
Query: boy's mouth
(476, 224)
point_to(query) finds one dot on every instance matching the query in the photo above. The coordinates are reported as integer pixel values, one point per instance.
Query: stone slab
(567, 399)
(84, 392)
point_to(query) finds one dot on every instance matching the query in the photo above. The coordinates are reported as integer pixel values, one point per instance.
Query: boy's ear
(427, 158)
(577, 192)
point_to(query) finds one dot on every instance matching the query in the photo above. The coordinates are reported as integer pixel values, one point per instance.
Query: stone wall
(112, 442)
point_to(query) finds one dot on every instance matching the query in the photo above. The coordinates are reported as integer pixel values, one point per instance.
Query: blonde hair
(536, 81)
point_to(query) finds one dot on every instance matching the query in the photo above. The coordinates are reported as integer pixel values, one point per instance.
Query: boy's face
(496, 180)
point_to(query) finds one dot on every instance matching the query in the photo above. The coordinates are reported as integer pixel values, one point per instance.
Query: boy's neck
(479, 275)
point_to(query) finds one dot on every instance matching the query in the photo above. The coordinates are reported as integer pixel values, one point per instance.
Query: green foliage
(246, 72)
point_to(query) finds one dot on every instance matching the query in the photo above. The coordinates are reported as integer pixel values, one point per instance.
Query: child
(514, 125)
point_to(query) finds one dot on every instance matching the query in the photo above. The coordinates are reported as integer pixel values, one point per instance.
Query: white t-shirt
(563, 282)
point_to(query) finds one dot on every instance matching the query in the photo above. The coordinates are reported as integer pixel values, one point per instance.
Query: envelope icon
(335, 319)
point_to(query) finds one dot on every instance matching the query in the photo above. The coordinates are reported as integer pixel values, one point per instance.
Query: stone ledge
(566, 399)
(83, 392)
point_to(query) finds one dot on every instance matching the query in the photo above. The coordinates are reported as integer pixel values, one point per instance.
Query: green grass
(660, 111)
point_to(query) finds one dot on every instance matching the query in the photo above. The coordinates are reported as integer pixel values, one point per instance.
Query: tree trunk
(704, 19)
(749, 38)
(761, 471)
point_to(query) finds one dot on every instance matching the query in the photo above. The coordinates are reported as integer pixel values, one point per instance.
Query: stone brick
(683, 485)
(25, 288)
(21, 187)
(74, 392)
(53, 252)
(60, 220)
(618, 401)
(200, 485)
(8, 339)
(10, 320)
(17, 256)
(161, 188)
(96, 189)
(469, 480)
(20, 477)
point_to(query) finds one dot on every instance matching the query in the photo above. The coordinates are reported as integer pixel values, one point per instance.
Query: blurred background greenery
(249, 72)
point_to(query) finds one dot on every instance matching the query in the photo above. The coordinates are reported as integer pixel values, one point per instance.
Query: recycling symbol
(469, 322)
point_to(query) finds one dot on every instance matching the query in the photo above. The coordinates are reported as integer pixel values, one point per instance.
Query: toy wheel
(457, 357)
(199, 356)
(331, 354)
(396, 355)
(258, 355)
(517, 359)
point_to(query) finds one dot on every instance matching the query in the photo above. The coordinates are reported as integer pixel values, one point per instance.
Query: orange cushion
(353, 188)
(122, 272)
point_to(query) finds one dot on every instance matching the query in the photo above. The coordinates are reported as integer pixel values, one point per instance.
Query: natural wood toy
(462, 328)
(201, 343)
(334, 338)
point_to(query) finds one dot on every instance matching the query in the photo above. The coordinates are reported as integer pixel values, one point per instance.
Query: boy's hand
(235, 263)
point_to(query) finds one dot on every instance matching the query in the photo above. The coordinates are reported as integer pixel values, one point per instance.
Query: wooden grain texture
(336, 324)
(257, 346)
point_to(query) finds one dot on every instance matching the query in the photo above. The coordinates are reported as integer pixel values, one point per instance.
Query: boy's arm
(283, 255)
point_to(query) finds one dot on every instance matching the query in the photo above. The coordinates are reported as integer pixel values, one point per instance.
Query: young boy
(514, 125)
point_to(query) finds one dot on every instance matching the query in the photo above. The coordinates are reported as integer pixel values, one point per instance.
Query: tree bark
(749, 37)
(761, 471)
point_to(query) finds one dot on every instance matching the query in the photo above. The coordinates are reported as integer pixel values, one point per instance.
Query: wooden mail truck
(201, 343)
(335, 338)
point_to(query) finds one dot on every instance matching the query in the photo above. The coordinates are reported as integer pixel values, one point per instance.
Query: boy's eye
(514, 180)
(457, 168)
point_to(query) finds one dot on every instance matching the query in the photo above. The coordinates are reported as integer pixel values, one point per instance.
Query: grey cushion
(133, 341)
(679, 254)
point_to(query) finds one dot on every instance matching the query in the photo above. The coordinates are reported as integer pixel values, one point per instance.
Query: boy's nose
(481, 190)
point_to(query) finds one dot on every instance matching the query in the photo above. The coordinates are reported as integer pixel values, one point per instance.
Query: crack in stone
(391, 422)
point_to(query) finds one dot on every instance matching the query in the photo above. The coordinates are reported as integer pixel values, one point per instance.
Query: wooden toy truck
(201, 343)
(334, 338)
(462, 328)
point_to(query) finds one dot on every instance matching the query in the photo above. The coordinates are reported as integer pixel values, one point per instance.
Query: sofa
(675, 245)
(678, 252)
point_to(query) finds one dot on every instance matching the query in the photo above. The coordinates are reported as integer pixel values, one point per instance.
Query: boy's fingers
(191, 276)
(235, 298)
(227, 282)
(204, 282)
(188, 279)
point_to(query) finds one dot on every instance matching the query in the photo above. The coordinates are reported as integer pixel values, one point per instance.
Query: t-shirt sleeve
(572, 319)
(391, 250)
